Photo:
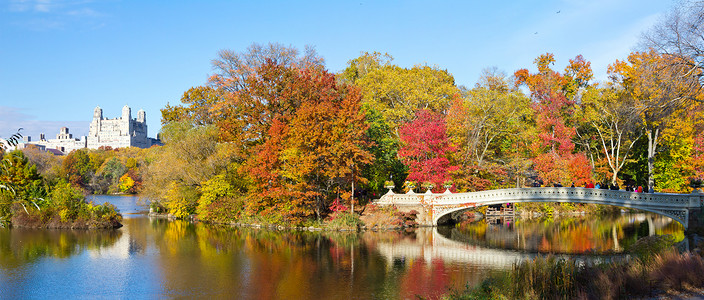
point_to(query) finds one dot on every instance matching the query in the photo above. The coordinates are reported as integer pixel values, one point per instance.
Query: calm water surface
(155, 258)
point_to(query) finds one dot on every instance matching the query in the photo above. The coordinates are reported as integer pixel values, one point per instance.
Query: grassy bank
(653, 268)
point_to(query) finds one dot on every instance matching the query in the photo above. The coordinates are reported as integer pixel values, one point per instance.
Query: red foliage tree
(425, 148)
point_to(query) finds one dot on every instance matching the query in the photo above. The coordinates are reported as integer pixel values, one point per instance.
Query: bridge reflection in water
(501, 246)
(432, 246)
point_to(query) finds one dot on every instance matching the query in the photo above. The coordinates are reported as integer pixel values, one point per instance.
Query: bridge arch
(672, 215)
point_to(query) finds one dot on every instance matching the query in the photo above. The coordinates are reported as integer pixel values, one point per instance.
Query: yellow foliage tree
(126, 183)
(653, 80)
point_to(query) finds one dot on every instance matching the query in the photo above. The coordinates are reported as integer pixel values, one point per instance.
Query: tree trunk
(352, 197)
(652, 146)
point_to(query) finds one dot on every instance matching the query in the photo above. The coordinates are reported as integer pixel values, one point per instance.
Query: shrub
(407, 219)
(344, 221)
(552, 278)
(386, 216)
(67, 200)
(678, 271)
(181, 200)
(223, 210)
(211, 191)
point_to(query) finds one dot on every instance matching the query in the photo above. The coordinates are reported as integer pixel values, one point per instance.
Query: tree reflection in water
(176, 259)
(21, 245)
(572, 235)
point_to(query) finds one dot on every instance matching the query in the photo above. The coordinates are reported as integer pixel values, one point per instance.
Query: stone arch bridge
(434, 207)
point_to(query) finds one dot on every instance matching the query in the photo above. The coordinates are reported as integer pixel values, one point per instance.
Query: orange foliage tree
(300, 133)
(553, 102)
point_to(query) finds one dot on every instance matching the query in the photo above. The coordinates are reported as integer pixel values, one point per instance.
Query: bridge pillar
(422, 203)
(424, 217)
(696, 221)
(696, 213)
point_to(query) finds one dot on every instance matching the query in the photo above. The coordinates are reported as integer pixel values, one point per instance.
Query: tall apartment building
(120, 132)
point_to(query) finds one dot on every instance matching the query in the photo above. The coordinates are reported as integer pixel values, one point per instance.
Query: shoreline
(193, 218)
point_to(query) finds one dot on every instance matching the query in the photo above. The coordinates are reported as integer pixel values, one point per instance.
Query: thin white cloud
(84, 12)
(54, 14)
(40, 24)
(42, 6)
(19, 5)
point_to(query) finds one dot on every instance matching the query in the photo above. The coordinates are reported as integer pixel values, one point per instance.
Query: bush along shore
(66, 209)
(653, 268)
(371, 217)
(26, 200)
(88, 216)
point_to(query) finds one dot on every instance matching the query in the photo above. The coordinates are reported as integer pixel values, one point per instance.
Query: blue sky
(61, 58)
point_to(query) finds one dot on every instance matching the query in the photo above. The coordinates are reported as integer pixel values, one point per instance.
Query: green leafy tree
(111, 171)
(487, 125)
(384, 147)
(77, 168)
(613, 121)
(19, 183)
(68, 200)
(674, 165)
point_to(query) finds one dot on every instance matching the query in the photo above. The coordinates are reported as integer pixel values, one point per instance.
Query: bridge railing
(410, 199)
(584, 194)
(549, 193)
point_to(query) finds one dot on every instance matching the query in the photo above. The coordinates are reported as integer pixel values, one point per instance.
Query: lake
(157, 258)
